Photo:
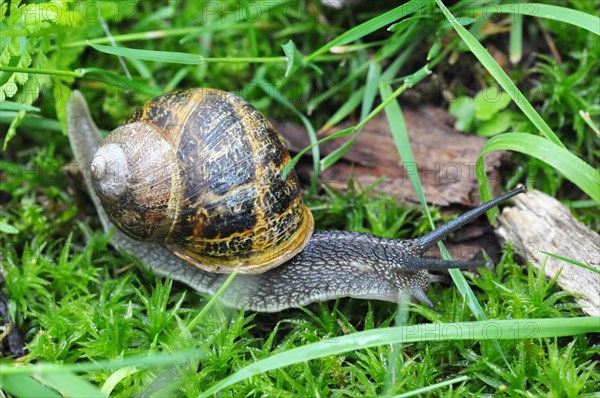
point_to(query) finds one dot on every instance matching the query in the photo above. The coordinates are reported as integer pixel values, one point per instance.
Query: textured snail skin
(333, 264)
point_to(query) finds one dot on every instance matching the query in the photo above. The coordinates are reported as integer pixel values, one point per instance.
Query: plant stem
(153, 34)
(41, 71)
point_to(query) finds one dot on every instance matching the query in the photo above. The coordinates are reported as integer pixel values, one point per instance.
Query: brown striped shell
(200, 171)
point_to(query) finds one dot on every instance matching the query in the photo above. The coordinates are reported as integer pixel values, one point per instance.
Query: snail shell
(200, 172)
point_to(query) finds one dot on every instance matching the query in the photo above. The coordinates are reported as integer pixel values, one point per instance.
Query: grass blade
(345, 109)
(146, 361)
(179, 57)
(433, 387)
(115, 378)
(41, 71)
(71, 385)
(149, 55)
(516, 39)
(17, 106)
(501, 77)
(547, 11)
(373, 78)
(26, 386)
(571, 261)
(400, 136)
(372, 25)
(35, 122)
(194, 322)
(573, 168)
(486, 330)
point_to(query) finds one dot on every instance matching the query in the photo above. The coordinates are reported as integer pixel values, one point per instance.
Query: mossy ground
(74, 299)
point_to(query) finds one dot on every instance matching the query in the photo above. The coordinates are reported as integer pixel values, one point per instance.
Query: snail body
(193, 182)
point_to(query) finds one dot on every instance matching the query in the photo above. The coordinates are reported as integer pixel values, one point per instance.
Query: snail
(193, 182)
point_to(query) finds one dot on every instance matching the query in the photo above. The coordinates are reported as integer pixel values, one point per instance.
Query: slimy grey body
(322, 271)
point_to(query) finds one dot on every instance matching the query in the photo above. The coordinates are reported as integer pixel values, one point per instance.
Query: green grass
(97, 323)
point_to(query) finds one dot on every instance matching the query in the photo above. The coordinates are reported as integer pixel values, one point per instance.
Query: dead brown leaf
(445, 158)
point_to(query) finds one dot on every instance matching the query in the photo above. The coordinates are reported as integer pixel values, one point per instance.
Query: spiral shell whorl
(136, 188)
(109, 172)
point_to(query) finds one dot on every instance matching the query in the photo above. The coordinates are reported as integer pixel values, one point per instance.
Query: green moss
(75, 299)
